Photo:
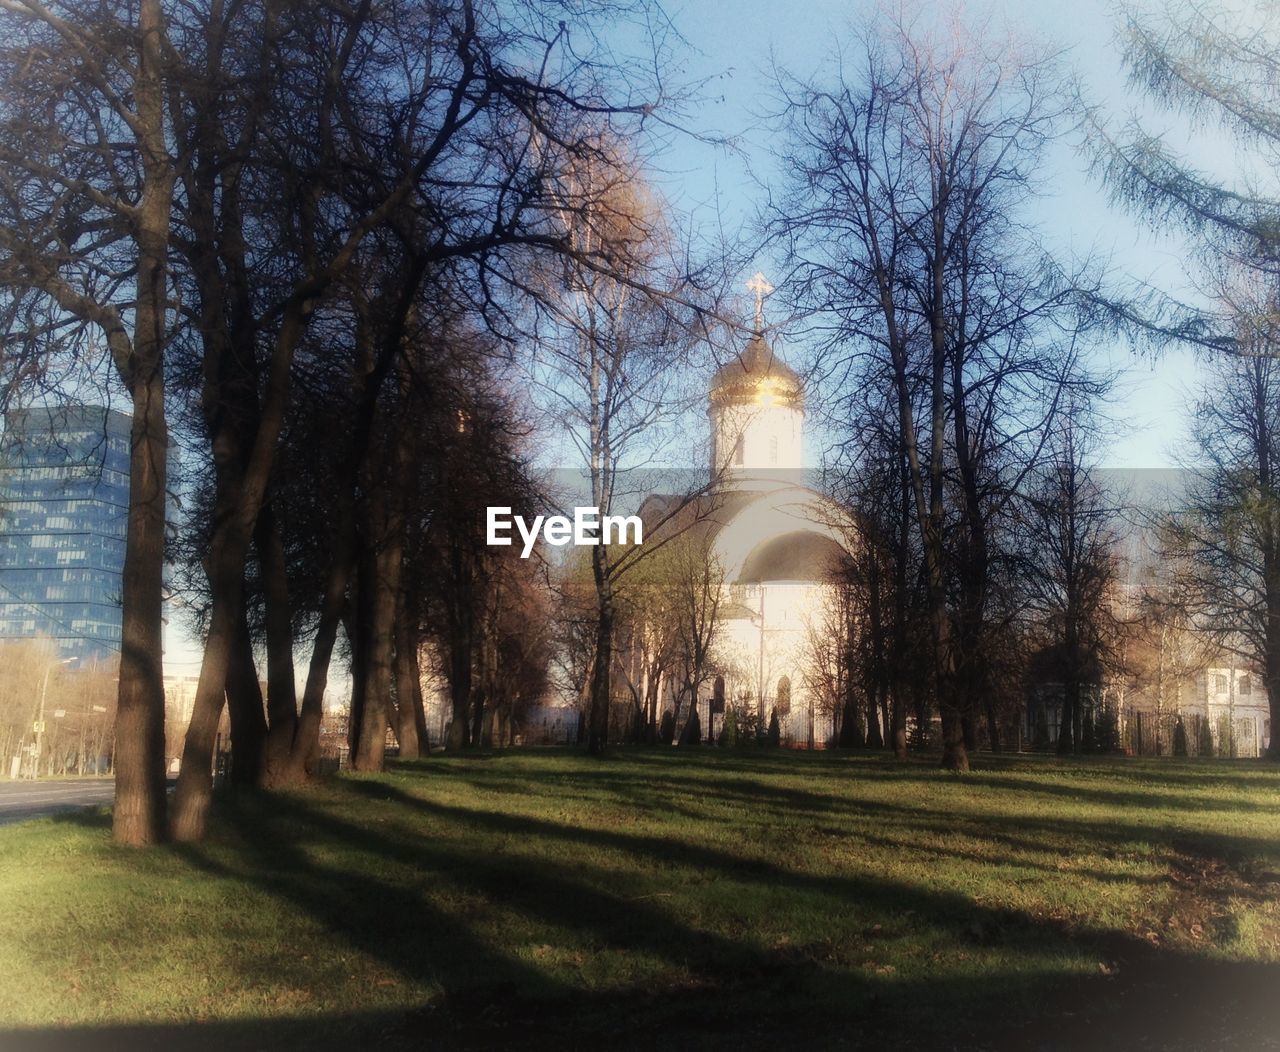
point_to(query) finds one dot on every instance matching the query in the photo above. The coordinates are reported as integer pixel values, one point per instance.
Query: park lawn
(683, 897)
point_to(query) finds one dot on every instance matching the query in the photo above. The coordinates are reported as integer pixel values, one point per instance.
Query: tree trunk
(459, 694)
(899, 654)
(654, 690)
(412, 727)
(1272, 671)
(282, 700)
(478, 699)
(244, 704)
(306, 741)
(993, 723)
(598, 728)
(876, 676)
(1070, 703)
(355, 625)
(875, 738)
(898, 712)
(138, 816)
(955, 756)
(378, 601)
(851, 736)
(883, 687)
(370, 756)
(374, 362)
(195, 779)
(461, 631)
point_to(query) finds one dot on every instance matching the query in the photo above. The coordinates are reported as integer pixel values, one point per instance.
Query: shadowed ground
(668, 897)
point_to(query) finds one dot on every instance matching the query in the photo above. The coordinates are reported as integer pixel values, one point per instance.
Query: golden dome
(756, 377)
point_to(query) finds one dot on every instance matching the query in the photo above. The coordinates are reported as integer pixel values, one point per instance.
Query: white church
(775, 541)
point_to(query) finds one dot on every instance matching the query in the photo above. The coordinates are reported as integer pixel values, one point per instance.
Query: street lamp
(44, 690)
(758, 619)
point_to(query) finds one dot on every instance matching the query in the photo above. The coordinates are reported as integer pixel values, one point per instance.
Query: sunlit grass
(711, 893)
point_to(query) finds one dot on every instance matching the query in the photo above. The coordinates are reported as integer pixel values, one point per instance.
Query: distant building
(64, 496)
(777, 542)
(1222, 710)
(1227, 706)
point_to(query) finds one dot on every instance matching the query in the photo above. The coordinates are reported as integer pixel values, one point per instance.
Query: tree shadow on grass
(759, 980)
(1162, 1005)
(795, 800)
(372, 881)
(997, 770)
(1136, 798)
(98, 818)
(1031, 838)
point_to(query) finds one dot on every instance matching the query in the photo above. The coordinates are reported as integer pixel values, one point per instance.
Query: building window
(717, 695)
(1219, 683)
(782, 703)
(738, 454)
(1246, 685)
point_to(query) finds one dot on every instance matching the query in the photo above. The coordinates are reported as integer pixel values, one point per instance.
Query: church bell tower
(756, 408)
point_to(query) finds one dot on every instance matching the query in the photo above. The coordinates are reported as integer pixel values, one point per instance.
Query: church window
(738, 456)
(773, 449)
(783, 700)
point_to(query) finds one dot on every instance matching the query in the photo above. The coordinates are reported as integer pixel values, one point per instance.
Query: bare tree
(647, 631)
(215, 179)
(1073, 565)
(912, 163)
(697, 582)
(612, 353)
(468, 586)
(1215, 66)
(1162, 648)
(75, 705)
(455, 171)
(830, 660)
(87, 180)
(1224, 539)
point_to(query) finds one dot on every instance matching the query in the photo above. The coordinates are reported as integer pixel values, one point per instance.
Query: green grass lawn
(668, 897)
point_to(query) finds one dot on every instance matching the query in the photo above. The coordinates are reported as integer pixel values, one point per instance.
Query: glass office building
(64, 495)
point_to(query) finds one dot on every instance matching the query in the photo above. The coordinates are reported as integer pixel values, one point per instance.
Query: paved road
(22, 800)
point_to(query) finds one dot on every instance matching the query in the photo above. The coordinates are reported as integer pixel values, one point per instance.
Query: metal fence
(1147, 733)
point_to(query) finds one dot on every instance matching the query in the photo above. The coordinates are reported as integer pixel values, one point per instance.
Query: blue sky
(734, 45)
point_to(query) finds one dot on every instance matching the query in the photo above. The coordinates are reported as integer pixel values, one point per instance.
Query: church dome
(756, 377)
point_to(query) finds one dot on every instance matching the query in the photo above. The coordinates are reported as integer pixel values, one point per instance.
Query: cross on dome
(761, 287)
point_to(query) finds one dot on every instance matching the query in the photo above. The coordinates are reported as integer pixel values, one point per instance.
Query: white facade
(751, 439)
(1235, 703)
(776, 544)
(767, 655)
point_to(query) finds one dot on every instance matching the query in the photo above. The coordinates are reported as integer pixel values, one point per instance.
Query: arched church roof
(791, 533)
(755, 373)
(801, 555)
